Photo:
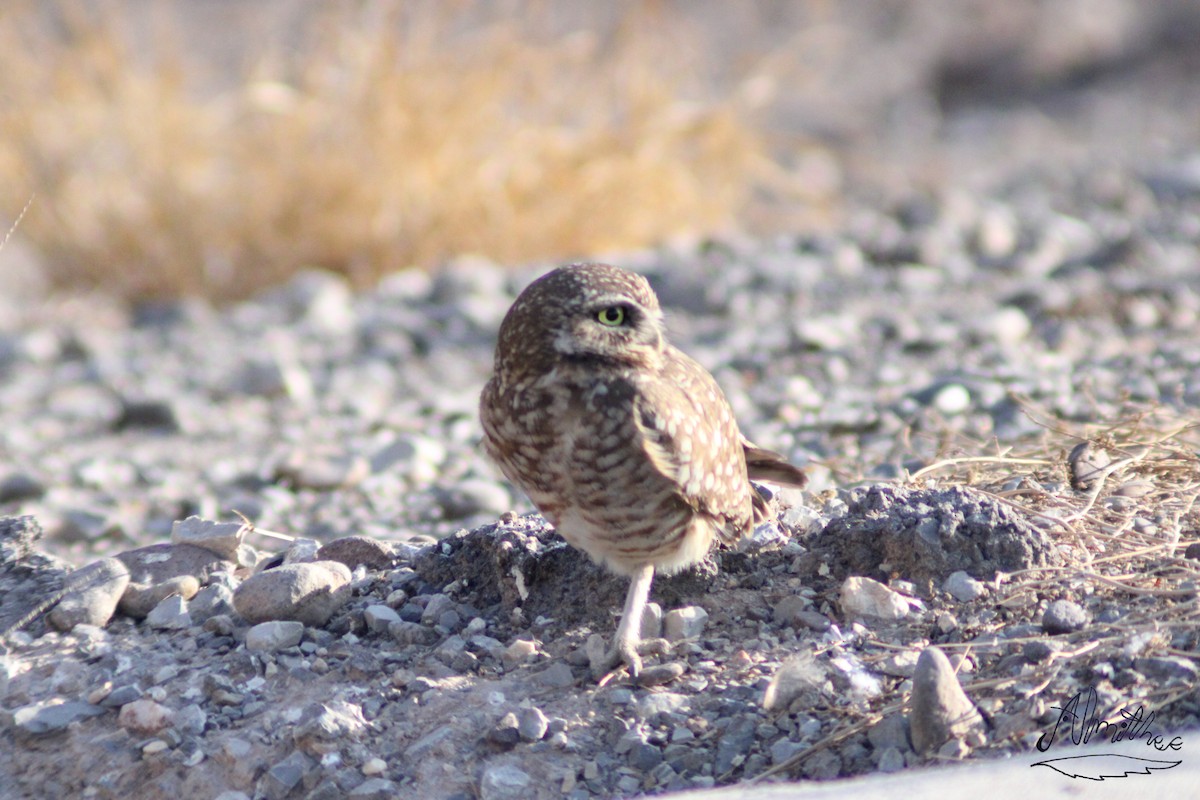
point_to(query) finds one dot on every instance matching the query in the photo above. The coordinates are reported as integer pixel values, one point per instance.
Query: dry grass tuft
(399, 138)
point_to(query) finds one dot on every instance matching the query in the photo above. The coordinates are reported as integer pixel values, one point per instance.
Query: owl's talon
(628, 655)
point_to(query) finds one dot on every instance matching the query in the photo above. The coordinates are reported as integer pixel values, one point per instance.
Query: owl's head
(582, 313)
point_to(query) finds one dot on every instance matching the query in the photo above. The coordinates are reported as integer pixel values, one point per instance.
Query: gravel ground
(432, 662)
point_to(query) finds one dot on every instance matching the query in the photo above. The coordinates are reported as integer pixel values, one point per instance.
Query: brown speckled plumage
(626, 445)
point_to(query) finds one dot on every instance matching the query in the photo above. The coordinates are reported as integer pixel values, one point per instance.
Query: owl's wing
(690, 437)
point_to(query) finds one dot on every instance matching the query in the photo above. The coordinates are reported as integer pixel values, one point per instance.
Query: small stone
(947, 622)
(796, 676)
(284, 776)
(140, 599)
(651, 705)
(532, 724)
(322, 471)
(412, 633)
(154, 747)
(374, 789)
(220, 538)
(890, 760)
(783, 749)
(558, 675)
(1088, 463)
(144, 717)
(122, 695)
(503, 782)
(325, 727)
(1064, 616)
(437, 605)
(644, 756)
(865, 597)
(91, 594)
(307, 592)
(270, 637)
(159, 564)
(659, 674)
(474, 496)
(787, 609)
(190, 719)
(39, 719)
(1165, 668)
(814, 620)
(356, 551)
(374, 766)
(952, 399)
(171, 614)
(1192, 551)
(939, 709)
(963, 587)
(214, 599)
(379, 617)
(506, 732)
(1037, 651)
(18, 486)
(519, 652)
(684, 623)
(900, 665)
(891, 732)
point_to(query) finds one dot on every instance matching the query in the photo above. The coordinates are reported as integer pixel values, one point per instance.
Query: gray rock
(506, 732)
(890, 760)
(214, 599)
(558, 675)
(939, 709)
(502, 781)
(532, 724)
(735, 741)
(379, 617)
(171, 614)
(220, 538)
(864, 597)
(309, 593)
(154, 564)
(1064, 616)
(797, 676)
(783, 749)
(1167, 668)
(122, 695)
(140, 599)
(963, 587)
(684, 623)
(17, 487)
(355, 551)
(327, 727)
(285, 775)
(190, 719)
(374, 789)
(412, 633)
(269, 637)
(650, 706)
(91, 595)
(47, 717)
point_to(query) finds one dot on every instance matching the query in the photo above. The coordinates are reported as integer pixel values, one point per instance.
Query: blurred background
(216, 147)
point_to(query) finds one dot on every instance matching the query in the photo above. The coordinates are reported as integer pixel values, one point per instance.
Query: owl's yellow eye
(611, 316)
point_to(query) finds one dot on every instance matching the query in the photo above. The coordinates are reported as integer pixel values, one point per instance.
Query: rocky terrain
(393, 622)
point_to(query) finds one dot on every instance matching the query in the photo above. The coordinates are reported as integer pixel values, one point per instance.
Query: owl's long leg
(627, 646)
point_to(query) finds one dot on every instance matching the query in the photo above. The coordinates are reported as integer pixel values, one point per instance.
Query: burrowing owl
(626, 445)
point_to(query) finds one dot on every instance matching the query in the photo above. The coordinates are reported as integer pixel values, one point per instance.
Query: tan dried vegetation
(402, 137)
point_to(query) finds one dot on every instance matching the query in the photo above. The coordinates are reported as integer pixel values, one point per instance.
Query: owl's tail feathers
(770, 467)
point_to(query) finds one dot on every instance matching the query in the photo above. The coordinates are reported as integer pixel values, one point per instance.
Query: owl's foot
(623, 652)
